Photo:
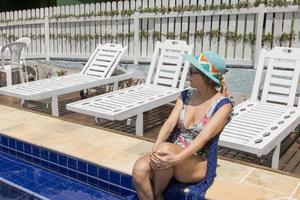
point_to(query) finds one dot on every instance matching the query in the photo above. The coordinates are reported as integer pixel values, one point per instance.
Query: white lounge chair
(165, 81)
(260, 125)
(96, 72)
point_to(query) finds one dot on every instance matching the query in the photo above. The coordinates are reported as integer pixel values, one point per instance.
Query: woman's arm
(170, 123)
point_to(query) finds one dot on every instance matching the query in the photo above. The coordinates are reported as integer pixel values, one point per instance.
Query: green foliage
(184, 35)
(144, 34)
(287, 36)
(170, 35)
(214, 34)
(249, 38)
(234, 36)
(156, 35)
(61, 73)
(199, 34)
(267, 38)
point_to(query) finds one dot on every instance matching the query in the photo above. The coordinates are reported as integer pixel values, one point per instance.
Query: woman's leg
(192, 169)
(142, 175)
(163, 176)
(161, 180)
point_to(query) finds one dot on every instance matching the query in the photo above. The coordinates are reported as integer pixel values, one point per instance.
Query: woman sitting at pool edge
(179, 150)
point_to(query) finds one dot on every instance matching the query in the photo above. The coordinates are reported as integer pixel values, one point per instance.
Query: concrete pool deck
(119, 152)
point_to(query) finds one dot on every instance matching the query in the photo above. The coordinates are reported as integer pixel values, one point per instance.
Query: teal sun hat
(210, 64)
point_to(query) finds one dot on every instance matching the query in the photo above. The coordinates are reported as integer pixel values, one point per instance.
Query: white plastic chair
(97, 71)
(13, 63)
(27, 40)
(260, 125)
(165, 81)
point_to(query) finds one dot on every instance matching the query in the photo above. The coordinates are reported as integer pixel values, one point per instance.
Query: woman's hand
(155, 147)
(164, 159)
(154, 162)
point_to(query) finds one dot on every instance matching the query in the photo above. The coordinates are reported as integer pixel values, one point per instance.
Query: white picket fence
(58, 32)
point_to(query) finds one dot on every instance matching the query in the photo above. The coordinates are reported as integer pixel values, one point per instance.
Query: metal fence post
(47, 35)
(259, 32)
(136, 37)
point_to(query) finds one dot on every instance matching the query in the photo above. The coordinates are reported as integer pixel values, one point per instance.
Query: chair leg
(21, 75)
(116, 84)
(23, 103)
(275, 157)
(26, 74)
(54, 106)
(139, 126)
(8, 74)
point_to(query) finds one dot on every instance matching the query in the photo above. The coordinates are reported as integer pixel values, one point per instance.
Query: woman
(179, 150)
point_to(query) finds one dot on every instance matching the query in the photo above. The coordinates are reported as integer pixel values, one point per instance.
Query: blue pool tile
(103, 185)
(20, 181)
(72, 174)
(12, 143)
(4, 149)
(36, 160)
(72, 163)
(92, 181)
(36, 151)
(4, 140)
(46, 174)
(45, 192)
(29, 175)
(30, 185)
(20, 146)
(125, 193)
(27, 148)
(77, 186)
(53, 157)
(56, 196)
(92, 170)
(20, 155)
(62, 160)
(12, 152)
(53, 167)
(103, 173)
(50, 183)
(41, 180)
(82, 177)
(44, 154)
(63, 170)
(114, 189)
(82, 167)
(44, 164)
(126, 181)
(28, 157)
(114, 177)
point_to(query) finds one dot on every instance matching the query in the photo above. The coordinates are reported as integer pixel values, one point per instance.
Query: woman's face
(196, 77)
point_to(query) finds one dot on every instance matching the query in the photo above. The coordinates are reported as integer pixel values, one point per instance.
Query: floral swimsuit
(182, 135)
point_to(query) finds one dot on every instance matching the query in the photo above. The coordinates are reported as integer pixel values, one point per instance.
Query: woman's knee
(141, 169)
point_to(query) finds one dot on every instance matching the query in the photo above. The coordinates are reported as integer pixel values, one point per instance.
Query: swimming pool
(40, 173)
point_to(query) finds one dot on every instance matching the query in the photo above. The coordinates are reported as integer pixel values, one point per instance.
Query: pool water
(10, 191)
(47, 184)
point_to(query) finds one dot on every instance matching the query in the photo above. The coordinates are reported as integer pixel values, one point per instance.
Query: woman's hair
(208, 81)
